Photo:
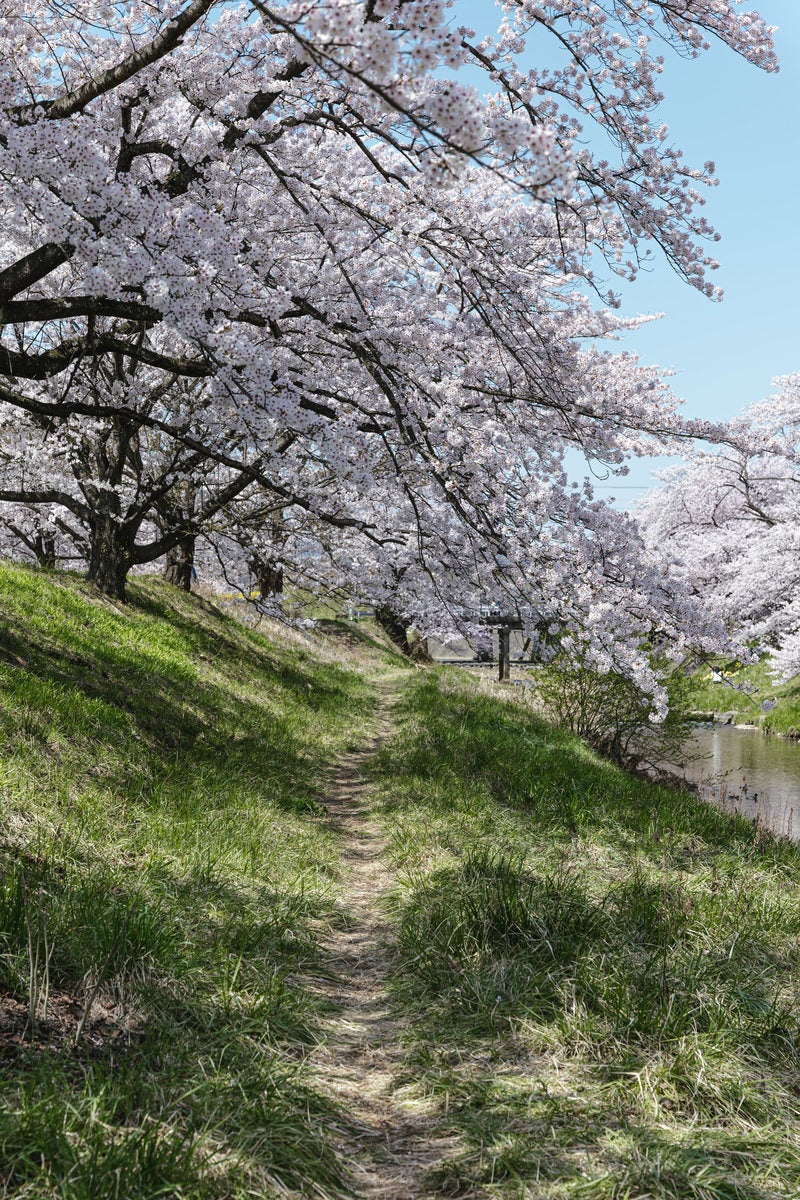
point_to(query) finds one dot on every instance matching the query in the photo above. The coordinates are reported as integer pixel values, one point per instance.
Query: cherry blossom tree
(377, 276)
(120, 490)
(726, 523)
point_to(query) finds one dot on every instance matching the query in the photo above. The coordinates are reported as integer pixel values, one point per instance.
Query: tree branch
(20, 365)
(45, 496)
(44, 309)
(32, 268)
(72, 102)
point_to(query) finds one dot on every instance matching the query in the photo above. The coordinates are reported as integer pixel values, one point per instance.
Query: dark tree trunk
(419, 649)
(391, 623)
(109, 553)
(268, 576)
(180, 560)
(41, 543)
(413, 647)
(45, 550)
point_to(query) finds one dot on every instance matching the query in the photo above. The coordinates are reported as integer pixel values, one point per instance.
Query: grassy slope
(603, 977)
(160, 836)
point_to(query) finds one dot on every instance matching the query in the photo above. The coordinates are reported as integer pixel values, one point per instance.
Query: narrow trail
(393, 1143)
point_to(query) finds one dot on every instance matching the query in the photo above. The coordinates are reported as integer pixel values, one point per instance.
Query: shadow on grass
(168, 679)
(229, 1123)
(161, 767)
(458, 744)
(486, 944)
(92, 926)
(189, 1080)
(522, 1143)
(600, 975)
(493, 960)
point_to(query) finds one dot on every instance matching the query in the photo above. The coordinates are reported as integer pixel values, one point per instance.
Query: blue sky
(726, 354)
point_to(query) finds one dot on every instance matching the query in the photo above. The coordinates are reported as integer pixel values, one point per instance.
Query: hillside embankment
(282, 916)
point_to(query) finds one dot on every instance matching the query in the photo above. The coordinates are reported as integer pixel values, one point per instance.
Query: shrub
(614, 716)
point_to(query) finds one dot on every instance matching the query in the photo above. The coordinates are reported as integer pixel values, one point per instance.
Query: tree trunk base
(180, 563)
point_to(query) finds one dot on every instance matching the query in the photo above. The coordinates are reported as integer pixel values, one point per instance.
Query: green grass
(784, 718)
(744, 693)
(163, 862)
(601, 975)
(598, 978)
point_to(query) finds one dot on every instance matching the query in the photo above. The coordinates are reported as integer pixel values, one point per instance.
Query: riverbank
(282, 916)
(731, 694)
(602, 976)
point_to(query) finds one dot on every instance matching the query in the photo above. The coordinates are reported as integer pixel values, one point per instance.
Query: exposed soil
(108, 1030)
(361, 1062)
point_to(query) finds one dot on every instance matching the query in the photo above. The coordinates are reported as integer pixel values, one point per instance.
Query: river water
(745, 771)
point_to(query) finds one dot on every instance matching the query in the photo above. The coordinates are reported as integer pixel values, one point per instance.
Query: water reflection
(746, 772)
